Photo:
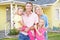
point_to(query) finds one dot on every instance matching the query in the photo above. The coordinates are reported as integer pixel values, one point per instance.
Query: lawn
(51, 36)
(54, 36)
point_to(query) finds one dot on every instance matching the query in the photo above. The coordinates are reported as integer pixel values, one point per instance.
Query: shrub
(13, 31)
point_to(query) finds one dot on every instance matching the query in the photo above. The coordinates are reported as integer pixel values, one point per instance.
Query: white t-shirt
(30, 20)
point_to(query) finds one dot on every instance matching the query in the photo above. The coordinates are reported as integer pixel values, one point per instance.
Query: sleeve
(36, 19)
(46, 24)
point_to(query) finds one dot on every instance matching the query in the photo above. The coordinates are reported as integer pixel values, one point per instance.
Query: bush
(13, 31)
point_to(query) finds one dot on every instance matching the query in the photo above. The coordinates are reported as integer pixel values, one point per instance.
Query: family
(32, 25)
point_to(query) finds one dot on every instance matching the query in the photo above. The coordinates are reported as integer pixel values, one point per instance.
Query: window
(8, 14)
(58, 14)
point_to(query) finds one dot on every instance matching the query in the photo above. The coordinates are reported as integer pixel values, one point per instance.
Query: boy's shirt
(17, 18)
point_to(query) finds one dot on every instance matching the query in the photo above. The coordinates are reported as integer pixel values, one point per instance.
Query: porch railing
(6, 28)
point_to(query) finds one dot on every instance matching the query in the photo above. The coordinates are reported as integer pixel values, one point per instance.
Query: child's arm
(21, 22)
(37, 30)
(22, 25)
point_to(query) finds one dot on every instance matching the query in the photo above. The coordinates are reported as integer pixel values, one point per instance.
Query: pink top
(40, 37)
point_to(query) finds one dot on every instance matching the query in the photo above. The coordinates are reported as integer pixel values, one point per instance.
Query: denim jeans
(23, 37)
(46, 35)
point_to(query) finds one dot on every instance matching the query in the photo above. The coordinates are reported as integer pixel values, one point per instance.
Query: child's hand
(26, 30)
(40, 34)
(19, 29)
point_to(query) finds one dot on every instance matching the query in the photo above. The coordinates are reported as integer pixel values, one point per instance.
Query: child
(18, 18)
(40, 30)
(19, 24)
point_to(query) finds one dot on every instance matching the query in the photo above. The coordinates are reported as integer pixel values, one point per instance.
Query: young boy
(19, 24)
(18, 17)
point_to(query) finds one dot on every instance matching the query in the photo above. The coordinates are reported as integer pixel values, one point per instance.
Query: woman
(39, 12)
(29, 19)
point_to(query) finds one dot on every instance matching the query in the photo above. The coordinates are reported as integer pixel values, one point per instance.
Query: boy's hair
(19, 8)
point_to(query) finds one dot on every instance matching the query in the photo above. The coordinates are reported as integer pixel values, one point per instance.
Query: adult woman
(39, 12)
(29, 19)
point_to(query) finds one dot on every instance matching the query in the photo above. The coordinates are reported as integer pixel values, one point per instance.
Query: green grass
(9, 39)
(51, 36)
(54, 36)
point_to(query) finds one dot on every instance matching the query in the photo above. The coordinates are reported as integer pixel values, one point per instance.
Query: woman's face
(28, 7)
(38, 11)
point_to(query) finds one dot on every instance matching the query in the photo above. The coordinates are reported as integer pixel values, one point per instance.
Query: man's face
(28, 7)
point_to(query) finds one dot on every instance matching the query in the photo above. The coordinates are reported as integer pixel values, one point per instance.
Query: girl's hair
(41, 19)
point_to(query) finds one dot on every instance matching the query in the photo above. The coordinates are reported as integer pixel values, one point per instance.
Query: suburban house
(50, 7)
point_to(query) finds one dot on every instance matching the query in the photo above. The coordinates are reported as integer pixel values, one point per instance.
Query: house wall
(56, 21)
(2, 16)
(51, 14)
(48, 12)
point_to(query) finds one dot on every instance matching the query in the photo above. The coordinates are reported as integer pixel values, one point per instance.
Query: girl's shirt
(42, 31)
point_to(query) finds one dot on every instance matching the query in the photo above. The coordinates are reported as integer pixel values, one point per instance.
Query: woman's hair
(38, 6)
(29, 3)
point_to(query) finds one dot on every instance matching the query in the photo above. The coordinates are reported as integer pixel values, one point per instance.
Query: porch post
(11, 6)
(15, 7)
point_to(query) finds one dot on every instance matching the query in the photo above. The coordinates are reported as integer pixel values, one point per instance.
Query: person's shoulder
(34, 13)
(45, 15)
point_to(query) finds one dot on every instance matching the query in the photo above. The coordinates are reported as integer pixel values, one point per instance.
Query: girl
(40, 30)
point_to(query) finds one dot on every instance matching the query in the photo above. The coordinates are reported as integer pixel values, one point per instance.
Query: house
(8, 7)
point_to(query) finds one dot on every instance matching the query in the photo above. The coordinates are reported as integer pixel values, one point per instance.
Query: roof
(40, 2)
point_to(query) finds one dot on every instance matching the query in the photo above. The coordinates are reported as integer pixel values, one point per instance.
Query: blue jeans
(23, 37)
(46, 35)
